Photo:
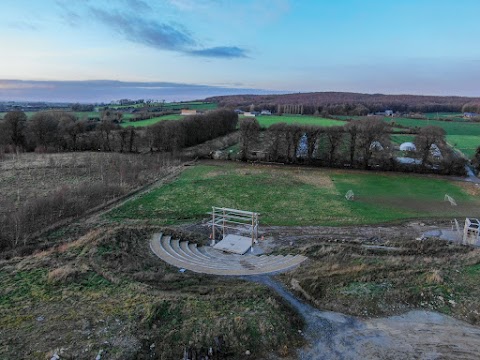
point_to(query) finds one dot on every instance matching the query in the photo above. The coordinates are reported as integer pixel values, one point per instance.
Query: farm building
(187, 112)
(469, 115)
(385, 113)
(250, 113)
(408, 146)
(265, 112)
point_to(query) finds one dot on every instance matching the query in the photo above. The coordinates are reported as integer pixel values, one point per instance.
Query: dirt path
(414, 335)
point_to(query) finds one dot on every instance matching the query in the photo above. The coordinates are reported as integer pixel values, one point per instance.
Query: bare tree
(249, 131)
(335, 136)
(373, 135)
(426, 137)
(13, 125)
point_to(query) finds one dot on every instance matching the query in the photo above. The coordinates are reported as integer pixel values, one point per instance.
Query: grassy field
(193, 105)
(467, 144)
(151, 121)
(445, 115)
(399, 139)
(78, 114)
(268, 120)
(290, 196)
(450, 127)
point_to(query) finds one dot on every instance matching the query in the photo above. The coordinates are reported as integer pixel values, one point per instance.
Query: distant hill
(343, 103)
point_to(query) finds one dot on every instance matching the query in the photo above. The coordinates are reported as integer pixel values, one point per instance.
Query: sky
(102, 50)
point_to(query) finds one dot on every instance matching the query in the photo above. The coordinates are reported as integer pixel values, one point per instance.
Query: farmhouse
(385, 113)
(187, 112)
(265, 112)
(250, 113)
(469, 115)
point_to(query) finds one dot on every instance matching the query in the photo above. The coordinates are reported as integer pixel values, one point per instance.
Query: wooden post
(223, 227)
(213, 226)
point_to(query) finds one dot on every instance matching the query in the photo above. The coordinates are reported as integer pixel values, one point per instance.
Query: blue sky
(389, 46)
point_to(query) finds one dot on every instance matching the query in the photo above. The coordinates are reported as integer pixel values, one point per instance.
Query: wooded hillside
(342, 103)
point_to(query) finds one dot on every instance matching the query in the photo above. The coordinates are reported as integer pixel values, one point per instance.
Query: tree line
(63, 131)
(362, 144)
(339, 103)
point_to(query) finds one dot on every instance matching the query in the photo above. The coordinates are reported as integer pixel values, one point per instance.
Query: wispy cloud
(146, 30)
(220, 52)
(150, 33)
(139, 5)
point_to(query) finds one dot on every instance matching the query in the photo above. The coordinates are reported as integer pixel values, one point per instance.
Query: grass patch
(268, 120)
(450, 127)
(400, 139)
(151, 121)
(467, 144)
(289, 196)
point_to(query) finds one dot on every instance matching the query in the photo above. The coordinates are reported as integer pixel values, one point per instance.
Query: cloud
(227, 52)
(139, 5)
(150, 33)
(160, 35)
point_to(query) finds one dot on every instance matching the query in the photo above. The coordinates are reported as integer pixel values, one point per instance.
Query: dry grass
(470, 188)
(62, 274)
(107, 289)
(434, 277)
(353, 279)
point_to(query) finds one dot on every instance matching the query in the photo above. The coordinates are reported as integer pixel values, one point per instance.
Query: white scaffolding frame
(225, 218)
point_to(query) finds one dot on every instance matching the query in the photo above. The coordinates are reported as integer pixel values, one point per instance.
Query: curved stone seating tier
(206, 260)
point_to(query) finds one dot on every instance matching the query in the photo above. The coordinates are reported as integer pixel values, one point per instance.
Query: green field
(400, 139)
(303, 196)
(193, 105)
(465, 143)
(451, 127)
(79, 114)
(151, 121)
(445, 115)
(268, 120)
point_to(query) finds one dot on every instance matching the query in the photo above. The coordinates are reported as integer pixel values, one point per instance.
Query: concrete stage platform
(234, 244)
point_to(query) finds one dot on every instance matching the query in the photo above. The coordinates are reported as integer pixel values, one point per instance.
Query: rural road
(414, 335)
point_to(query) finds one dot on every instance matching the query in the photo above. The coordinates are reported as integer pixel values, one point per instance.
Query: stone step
(206, 260)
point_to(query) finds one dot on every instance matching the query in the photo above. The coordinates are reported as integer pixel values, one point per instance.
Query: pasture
(300, 196)
(467, 144)
(400, 138)
(193, 105)
(151, 121)
(269, 120)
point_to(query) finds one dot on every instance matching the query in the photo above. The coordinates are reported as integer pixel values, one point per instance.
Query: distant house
(187, 112)
(469, 115)
(265, 112)
(250, 113)
(384, 113)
